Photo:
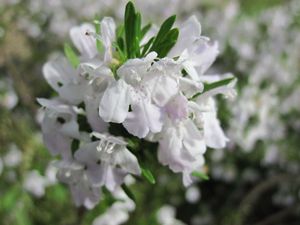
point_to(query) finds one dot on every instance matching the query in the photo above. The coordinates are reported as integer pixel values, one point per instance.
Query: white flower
(107, 37)
(196, 51)
(35, 183)
(13, 157)
(193, 194)
(181, 147)
(118, 213)
(115, 102)
(108, 161)
(65, 80)
(1, 166)
(166, 216)
(213, 134)
(164, 100)
(85, 44)
(59, 127)
(84, 192)
(131, 90)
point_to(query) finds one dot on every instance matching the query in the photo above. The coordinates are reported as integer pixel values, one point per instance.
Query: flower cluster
(147, 83)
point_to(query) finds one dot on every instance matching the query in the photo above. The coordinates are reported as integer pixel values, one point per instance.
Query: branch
(279, 216)
(251, 198)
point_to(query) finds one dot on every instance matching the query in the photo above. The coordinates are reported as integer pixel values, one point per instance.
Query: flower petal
(115, 102)
(85, 44)
(144, 117)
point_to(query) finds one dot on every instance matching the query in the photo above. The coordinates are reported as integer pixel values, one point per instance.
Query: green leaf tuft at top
(132, 25)
(130, 35)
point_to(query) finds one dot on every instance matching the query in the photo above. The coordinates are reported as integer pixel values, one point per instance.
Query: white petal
(162, 88)
(127, 161)
(87, 154)
(193, 139)
(190, 69)
(108, 35)
(169, 150)
(189, 32)
(108, 28)
(111, 177)
(58, 72)
(92, 113)
(65, 80)
(205, 54)
(115, 102)
(213, 133)
(144, 117)
(86, 44)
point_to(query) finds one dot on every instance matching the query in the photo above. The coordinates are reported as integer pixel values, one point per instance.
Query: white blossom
(166, 216)
(108, 161)
(159, 99)
(35, 183)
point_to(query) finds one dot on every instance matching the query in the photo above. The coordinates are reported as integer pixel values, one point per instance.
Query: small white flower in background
(125, 88)
(35, 183)
(166, 216)
(118, 213)
(1, 166)
(8, 97)
(13, 157)
(192, 194)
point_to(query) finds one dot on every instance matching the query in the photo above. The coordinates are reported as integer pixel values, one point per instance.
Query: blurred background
(255, 180)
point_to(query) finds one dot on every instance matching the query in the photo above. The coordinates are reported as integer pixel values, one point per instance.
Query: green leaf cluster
(130, 35)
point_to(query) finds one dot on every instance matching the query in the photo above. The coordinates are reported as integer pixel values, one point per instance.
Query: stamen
(109, 150)
(101, 145)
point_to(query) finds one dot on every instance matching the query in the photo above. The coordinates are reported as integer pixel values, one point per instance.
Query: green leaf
(138, 24)
(164, 29)
(148, 175)
(10, 198)
(170, 40)
(208, 87)
(147, 46)
(121, 43)
(200, 175)
(145, 30)
(137, 34)
(128, 192)
(130, 27)
(166, 38)
(132, 144)
(71, 55)
(120, 31)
